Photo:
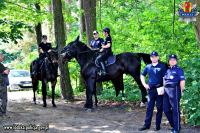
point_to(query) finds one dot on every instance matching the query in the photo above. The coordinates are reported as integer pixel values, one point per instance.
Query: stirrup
(102, 73)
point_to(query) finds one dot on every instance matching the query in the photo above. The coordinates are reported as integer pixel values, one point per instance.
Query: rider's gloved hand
(46, 54)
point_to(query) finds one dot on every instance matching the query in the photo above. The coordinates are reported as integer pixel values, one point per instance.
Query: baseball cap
(172, 56)
(95, 32)
(154, 54)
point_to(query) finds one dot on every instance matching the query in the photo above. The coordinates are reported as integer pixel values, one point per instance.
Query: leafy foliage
(191, 95)
(14, 32)
(137, 26)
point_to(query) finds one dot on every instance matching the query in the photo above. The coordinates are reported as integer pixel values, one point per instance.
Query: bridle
(50, 56)
(68, 53)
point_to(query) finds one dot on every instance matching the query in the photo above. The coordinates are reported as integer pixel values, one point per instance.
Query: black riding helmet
(106, 30)
(44, 36)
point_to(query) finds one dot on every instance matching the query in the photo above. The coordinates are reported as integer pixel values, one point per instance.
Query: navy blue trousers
(152, 97)
(171, 99)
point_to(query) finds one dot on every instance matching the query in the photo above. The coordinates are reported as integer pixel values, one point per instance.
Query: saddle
(109, 61)
(41, 64)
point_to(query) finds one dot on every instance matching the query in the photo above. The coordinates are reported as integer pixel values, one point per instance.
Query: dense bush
(191, 96)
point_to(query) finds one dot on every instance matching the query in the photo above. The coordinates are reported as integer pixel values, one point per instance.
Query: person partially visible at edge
(106, 51)
(174, 82)
(156, 72)
(44, 48)
(97, 42)
(3, 87)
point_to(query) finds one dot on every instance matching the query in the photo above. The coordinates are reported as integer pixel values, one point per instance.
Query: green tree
(66, 88)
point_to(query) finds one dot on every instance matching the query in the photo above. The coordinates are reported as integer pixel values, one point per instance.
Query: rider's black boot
(103, 68)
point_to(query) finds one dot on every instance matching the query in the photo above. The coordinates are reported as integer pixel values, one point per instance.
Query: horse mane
(87, 52)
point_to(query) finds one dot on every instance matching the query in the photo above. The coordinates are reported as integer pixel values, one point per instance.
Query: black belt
(171, 85)
(156, 86)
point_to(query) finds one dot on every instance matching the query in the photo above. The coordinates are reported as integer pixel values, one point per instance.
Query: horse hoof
(89, 110)
(95, 106)
(54, 106)
(34, 102)
(84, 107)
(44, 106)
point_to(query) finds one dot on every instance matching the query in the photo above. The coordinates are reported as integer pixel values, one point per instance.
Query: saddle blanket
(108, 62)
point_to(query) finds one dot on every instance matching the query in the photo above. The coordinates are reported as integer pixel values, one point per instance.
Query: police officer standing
(44, 48)
(3, 87)
(174, 83)
(156, 72)
(97, 42)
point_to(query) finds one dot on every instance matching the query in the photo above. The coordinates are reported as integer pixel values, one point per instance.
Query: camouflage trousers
(3, 98)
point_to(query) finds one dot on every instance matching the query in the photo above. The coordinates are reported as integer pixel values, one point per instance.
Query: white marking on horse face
(63, 54)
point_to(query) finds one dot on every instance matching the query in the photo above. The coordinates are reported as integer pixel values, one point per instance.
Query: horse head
(53, 56)
(69, 51)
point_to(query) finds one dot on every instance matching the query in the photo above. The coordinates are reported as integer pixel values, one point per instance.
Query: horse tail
(145, 57)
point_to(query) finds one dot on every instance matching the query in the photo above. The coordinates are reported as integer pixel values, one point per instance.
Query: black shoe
(143, 128)
(174, 131)
(157, 128)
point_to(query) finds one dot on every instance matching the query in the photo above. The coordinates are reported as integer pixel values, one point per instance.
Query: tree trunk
(38, 29)
(197, 23)
(69, 24)
(65, 25)
(82, 37)
(89, 7)
(82, 22)
(66, 88)
(50, 24)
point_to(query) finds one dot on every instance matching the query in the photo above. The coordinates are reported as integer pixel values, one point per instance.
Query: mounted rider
(106, 50)
(97, 41)
(44, 48)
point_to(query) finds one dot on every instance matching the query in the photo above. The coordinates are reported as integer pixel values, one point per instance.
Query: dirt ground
(69, 117)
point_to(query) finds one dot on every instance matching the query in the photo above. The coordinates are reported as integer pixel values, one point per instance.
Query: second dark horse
(47, 73)
(129, 63)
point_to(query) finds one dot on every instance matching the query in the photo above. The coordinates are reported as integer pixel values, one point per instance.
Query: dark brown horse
(129, 63)
(47, 73)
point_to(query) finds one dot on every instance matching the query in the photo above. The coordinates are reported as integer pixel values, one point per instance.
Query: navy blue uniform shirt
(96, 43)
(45, 47)
(108, 40)
(174, 75)
(156, 74)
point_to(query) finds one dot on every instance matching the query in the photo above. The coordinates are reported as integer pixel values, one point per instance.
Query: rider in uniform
(96, 43)
(106, 50)
(174, 83)
(44, 48)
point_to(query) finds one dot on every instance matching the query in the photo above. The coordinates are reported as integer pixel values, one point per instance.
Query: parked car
(19, 80)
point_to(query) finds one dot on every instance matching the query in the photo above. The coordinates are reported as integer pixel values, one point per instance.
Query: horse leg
(44, 93)
(89, 91)
(143, 90)
(85, 106)
(94, 92)
(115, 83)
(133, 68)
(53, 92)
(121, 85)
(35, 85)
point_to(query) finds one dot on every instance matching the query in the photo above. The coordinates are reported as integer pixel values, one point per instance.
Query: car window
(19, 74)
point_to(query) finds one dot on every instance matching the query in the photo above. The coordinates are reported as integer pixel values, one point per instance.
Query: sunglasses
(94, 34)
